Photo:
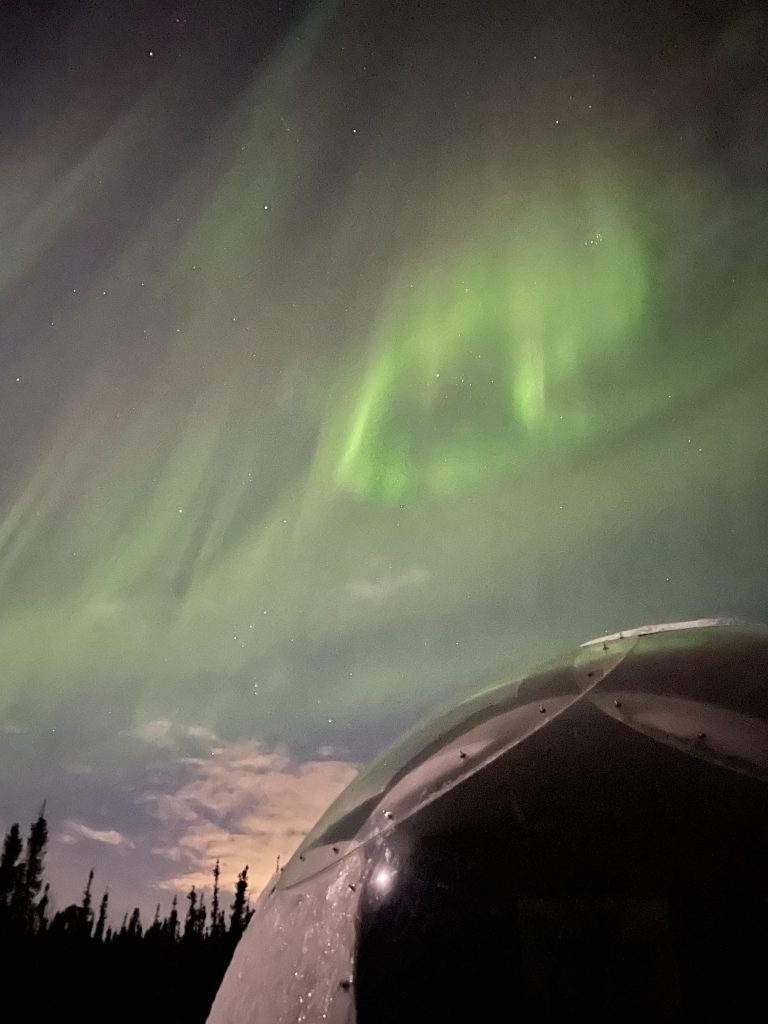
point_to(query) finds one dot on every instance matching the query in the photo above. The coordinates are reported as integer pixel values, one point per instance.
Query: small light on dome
(383, 880)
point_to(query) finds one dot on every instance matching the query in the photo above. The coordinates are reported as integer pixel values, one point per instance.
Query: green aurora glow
(475, 360)
(396, 379)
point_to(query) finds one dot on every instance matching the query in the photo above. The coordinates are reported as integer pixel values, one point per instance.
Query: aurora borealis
(348, 353)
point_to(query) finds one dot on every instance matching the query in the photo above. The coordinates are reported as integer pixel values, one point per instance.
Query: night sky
(349, 353)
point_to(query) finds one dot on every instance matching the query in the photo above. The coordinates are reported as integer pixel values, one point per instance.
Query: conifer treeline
(81, 969)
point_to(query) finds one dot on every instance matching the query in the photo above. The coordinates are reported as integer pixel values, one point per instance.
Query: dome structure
(588, 839)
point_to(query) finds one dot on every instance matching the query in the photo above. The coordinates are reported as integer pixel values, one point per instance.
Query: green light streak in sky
(480, 352)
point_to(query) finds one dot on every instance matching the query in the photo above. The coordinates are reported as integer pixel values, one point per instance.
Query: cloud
(199, 732)
(243, 805)
(13, 729)
(387, 584)
(169, 735)
(158, 732)
(75, 831)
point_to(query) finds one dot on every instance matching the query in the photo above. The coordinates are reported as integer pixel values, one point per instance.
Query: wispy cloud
(386, 584)
(170, 735)
(243, 805)
(158, 732)
(13, 729)
(75, 831)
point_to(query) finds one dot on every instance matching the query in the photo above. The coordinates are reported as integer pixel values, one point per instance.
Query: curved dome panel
(590, 838)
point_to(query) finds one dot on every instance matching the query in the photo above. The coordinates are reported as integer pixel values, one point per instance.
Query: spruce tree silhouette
(217, 921)
(87, 912)
(171, 925)
(101, 921)
(240, 916)
(155, 930)
(10, 868)
(190, 922)
(33, 871)
(135, 929)
(200, 917)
